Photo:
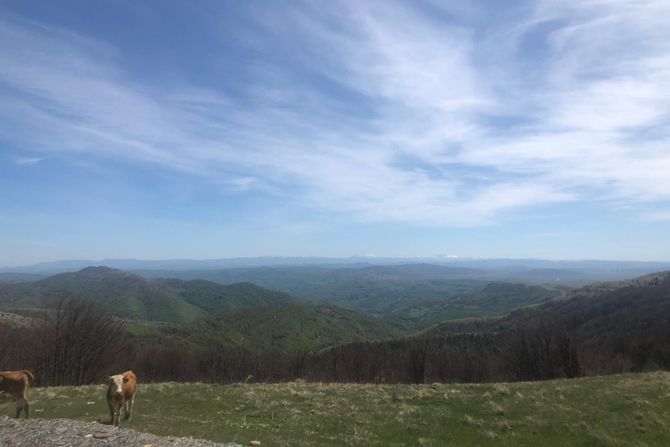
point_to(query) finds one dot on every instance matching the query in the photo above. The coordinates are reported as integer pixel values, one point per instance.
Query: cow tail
(29, 374)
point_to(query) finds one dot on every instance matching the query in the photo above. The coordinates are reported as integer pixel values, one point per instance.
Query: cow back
(129, 385)
(31, 377)
(14, 383)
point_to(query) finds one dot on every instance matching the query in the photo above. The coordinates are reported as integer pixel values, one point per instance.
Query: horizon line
(441, 258)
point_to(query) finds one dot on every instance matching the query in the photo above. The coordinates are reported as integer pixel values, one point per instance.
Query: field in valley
(623, 410)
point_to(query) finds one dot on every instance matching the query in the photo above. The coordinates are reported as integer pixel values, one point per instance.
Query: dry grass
(626, 410)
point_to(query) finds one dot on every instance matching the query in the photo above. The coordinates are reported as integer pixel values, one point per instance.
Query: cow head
(116, 383)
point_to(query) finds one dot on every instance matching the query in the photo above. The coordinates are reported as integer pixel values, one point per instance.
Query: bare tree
(77, 342)
(418, 351)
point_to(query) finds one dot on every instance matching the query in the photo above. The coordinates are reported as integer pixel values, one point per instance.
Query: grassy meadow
(623, 410)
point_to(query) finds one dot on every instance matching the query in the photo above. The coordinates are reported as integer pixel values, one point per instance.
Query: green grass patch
(623, 410)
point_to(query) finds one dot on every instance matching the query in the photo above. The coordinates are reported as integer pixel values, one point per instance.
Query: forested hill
(280, 330)
(604, 311)
(129, 296)
(412, 296)
(599, 329)
(232, 331)
(199, 312)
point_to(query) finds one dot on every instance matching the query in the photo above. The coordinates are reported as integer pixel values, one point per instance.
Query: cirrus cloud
(378, 111)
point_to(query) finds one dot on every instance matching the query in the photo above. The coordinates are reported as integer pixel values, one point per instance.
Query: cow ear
(125, 380)
(109, 380)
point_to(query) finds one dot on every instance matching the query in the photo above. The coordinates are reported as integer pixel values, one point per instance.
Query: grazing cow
(14, 385)
(121, 393)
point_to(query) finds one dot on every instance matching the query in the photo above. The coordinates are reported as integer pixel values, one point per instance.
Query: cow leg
(129, 409)
(112, 414)
(22, 405)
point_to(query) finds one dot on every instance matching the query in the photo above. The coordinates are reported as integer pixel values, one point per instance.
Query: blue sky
(213, 129)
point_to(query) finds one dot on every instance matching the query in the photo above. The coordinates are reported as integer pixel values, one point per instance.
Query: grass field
(624, 410)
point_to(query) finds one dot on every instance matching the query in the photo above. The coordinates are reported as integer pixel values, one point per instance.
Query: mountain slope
(597, 312)
(628, 313)
(412, 295)
(200, 312)
(129, 296)
(291, 328)
(481, 300)
(600, 329)
(11, 277)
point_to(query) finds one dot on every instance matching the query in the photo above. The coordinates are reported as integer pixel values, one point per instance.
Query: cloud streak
(379, 112)
(22, 161)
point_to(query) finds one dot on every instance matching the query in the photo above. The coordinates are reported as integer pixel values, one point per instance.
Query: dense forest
(67, 338)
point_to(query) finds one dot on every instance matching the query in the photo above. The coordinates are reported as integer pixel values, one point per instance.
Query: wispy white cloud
(447, 125)
(28, 160)
(600, 121)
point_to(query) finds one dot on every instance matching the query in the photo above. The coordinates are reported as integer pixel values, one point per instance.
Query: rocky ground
(65, 432)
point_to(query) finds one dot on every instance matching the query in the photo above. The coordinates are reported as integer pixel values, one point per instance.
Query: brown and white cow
(14, 385)
(121, 393)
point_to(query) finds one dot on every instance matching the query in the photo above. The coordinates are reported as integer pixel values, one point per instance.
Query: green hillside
(471, 301)
(290, 328)
(624, 411)
(600, 329)
(199, 313)
(132, 297)
(11, 277)
(281, 330)
(612, 312)
(413, 296)
(213, 298)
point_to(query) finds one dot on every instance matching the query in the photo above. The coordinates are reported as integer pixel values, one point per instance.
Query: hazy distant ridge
(587, 270)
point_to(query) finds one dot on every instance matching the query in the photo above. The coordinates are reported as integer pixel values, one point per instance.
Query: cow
(14, 385)
(121, 393)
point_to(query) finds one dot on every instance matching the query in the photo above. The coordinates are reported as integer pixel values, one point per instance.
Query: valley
(384, 324)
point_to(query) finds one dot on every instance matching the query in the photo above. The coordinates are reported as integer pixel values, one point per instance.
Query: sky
(213, 129)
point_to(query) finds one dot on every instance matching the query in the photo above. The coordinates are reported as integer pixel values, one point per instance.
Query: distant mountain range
(522, 269)
(409, 296)
(200, 311)
(412, 296)
(477, 327)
